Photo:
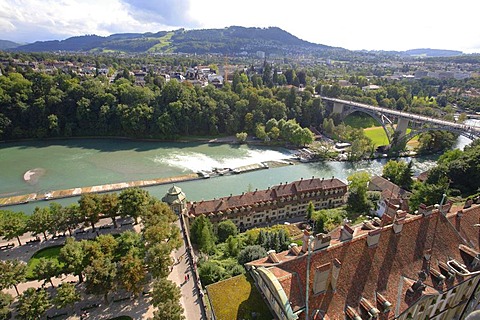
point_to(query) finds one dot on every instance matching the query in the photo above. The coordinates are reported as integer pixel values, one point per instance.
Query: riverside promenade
(73, 192)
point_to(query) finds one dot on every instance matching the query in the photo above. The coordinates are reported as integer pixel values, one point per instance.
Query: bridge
(395, 122)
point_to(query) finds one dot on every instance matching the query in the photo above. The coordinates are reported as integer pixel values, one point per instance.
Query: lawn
(241, 301)
(377, 135)
(51, 253)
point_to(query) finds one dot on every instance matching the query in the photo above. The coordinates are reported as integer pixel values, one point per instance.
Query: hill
(6, 44)
(231, 40)
(433, 53)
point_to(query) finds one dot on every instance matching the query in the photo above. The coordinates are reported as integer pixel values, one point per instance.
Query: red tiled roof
(386, 267)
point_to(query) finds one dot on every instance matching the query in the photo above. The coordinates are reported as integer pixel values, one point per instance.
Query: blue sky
(351, 24)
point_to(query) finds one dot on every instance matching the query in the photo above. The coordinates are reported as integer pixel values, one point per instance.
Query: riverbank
(72, 192)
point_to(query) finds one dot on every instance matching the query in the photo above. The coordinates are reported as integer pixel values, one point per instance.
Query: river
(63, 164)
(41, 166)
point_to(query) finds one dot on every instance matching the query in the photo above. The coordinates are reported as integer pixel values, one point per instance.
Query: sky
(351, 24)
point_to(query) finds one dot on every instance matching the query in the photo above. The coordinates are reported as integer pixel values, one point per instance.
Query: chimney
(373, 237)
(321, 241)
(371, 311)
(352, 314)
(383, 303)
(335, 272)
(417, 288)
(306, 239)
(272, 256)
(346, 233)
(398, 221)
(468, 204)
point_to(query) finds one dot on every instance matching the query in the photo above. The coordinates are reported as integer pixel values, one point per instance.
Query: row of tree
(127, 262)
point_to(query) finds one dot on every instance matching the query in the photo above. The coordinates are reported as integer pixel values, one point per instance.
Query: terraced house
(424, 266)
(273, 205)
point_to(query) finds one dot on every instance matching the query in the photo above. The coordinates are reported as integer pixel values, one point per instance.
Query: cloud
(32, 20)
(166, 12)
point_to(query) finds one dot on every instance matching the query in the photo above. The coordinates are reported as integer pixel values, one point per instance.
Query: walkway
(190, 295)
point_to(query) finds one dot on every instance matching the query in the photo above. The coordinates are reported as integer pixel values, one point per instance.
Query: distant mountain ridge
(6, 44)
(231, 40)
(433, 52)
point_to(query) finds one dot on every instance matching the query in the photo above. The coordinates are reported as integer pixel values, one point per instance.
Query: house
(273, 205)
(422, 266)
(392, 197)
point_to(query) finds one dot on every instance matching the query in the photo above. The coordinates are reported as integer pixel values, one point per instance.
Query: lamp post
(310, 239)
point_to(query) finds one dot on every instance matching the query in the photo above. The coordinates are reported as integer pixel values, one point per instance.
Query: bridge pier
(401, 129)
(338, 107)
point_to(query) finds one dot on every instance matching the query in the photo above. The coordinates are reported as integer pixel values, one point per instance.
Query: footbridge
(396, 123)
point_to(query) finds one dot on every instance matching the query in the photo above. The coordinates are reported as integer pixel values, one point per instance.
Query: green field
(242, 299)
(50, 253)
(377, 135)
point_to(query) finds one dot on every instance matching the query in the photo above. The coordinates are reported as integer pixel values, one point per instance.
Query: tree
(90, 208)
(399, 172)
(166, 298)
(12, 225)
(109, 205)
(33, 304)
(357, 201)
(226, 229)
(132, 273)
(5, 302)
(46, 269)
(101, 276)
(12, 272)
(210, 272)
(251, 253)
(40, 221)
(310, 211)
(73, 257)
(206, 243)
(66, 295)
(241, 137)
(133, 202)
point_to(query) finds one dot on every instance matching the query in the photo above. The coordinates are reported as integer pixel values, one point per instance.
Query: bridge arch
(418, 131)
(385, 122)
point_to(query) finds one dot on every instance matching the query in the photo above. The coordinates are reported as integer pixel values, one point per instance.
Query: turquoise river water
(63, 164)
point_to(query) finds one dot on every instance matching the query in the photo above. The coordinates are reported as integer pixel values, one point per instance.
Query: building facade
(273, 205)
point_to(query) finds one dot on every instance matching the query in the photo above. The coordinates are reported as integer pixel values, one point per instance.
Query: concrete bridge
(395, 123)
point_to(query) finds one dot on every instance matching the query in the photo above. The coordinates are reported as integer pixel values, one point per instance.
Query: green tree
(166, 298)
(12, 272)
(5, 303)
(90, 208)
(40, 221)
(32, 304)
(210, 272)
(73, 257)
(12, 225)
(133, 202)
(226, 229)
(101, 276)
(357, 201)
(132, 273)
(206, 244)
(46, 269)
(241, 137)
(399, 172)
(233, 246)
(251, 253)
(66, 295)
(310, 210)
(110, 206)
